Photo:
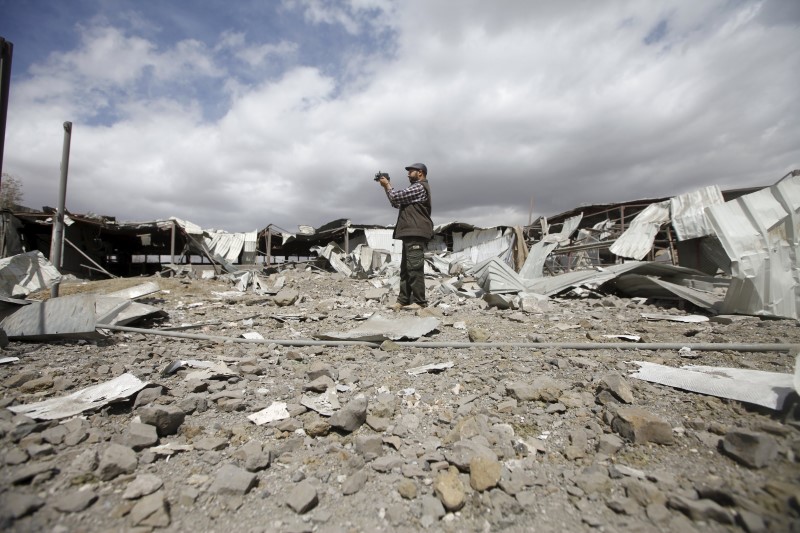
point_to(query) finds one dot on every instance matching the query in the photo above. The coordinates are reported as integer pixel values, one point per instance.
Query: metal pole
(538, 346)
(269, 246)
(57, 243)
(172, 246)
(6, 51)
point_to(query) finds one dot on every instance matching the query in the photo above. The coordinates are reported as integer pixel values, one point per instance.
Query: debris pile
(457, 417)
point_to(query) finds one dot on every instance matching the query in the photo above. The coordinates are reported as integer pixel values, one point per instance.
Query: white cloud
(565, 103)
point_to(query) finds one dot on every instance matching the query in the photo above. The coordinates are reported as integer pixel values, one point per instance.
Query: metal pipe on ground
(708, 346)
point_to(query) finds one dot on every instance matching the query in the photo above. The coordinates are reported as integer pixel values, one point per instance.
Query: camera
(379, 175)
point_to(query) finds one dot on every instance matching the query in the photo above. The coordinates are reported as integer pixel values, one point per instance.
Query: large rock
(640, 426)
(303, 497)
(166, 418)
(151, 511)
(755, 450)
(352, 416)
(619, 388)
(449, 489)
(141, 436)
(286, 297)
(233, 481)
(484, 473)
(115, 460)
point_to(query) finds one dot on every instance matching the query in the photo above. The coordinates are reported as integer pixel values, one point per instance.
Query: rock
(285, 297)
(115, 460)
(750, 521)
(143, 485)
(449, 490)
(609, 444)
(74, 501)
(321, 384)
(253, 456)
(352, 416)
(622, 505)
(233, 481)
(387, 463)
(617, 386)
(147, 395)
(20, 379)
(303, 497)
(701, 510)
(14, 505)
(543, 388)
(407, 489)
(354, 483)
(640, 426)
(478, 335)
(432, 509)
(151, 511)
(141, 436)
(210, 444)
(484, 473)
(369, 446)
(643, 493)
(37, 384)
(752, 449)
(593, 479)
(55, 435)
(464, 451)
(383, 406)
(166, 418)
(318, 427)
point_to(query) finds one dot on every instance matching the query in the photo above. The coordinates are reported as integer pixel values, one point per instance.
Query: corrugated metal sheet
(480, 245)
(534, 264)
(225, 245)
(760, 234)
(249, 252)
(381, 239)
(637, 241)
(688, 212)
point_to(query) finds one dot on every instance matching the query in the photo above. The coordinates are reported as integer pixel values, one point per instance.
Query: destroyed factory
(617, 367)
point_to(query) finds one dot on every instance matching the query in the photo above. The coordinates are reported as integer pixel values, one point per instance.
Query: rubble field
(511, 434)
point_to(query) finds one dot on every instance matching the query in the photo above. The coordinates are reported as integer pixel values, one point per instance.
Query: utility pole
(57, 242)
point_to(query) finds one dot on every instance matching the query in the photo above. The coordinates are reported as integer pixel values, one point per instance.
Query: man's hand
(384, 183)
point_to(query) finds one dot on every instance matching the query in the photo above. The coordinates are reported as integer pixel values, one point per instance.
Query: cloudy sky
(236, 115)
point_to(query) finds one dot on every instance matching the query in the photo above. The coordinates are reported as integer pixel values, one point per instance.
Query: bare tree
(10, 191)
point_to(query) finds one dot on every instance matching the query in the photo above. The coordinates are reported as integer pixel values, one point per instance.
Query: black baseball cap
(418, 166)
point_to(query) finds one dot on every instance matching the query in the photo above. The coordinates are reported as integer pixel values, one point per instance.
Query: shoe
(412, 307)
(396, 306)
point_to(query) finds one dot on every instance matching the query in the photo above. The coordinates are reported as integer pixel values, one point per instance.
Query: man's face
(414, 175)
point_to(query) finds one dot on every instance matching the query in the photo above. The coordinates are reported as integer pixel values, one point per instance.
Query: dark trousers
(412, 272)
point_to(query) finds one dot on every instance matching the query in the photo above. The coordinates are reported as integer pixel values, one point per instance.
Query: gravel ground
(508, 438)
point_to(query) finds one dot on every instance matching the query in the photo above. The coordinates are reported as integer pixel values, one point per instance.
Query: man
(415, 228)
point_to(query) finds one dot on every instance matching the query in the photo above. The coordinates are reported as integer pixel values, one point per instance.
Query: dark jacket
(414, 220)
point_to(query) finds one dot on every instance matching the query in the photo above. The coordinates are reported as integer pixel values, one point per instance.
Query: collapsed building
(727, 252)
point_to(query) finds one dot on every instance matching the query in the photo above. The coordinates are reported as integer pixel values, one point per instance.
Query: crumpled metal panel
(594, 278)
(65, 317)
(482, 244)
(93, 397)
(25, 273)
(534, 264)
(637, 241)
(225, 245)
(760, 233)
(496, 277)
(688, 212)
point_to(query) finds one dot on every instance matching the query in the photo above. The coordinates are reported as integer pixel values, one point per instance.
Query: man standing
(415, 228)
